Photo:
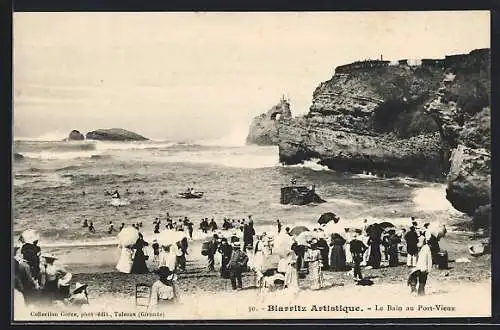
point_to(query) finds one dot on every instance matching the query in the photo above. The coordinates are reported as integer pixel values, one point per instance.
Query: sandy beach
(111, 291)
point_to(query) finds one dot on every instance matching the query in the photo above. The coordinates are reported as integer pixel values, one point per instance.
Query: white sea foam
(312, 164)
(432, 199)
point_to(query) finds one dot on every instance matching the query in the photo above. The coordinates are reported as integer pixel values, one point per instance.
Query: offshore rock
(75, 135)
(299, 195)
(114, 134)
(264, 128)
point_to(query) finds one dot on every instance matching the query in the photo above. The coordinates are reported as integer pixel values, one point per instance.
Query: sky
(204, 75)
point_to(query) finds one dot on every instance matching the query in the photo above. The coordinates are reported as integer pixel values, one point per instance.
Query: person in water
(111, 228)
(278, 223)
(122, 226)
(91, 227)
(116, 194)
(85, 223)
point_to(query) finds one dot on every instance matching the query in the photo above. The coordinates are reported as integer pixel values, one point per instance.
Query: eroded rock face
(114, 134)
(264, 128)
(462, 108)
(75, 135)
(369, 120)
(430, 121)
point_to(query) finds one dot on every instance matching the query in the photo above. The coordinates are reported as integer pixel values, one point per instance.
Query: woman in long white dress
(291, 275)
(124, 264)
(168, 257)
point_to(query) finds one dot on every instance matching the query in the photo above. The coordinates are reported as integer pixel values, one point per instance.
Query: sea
(58, 184)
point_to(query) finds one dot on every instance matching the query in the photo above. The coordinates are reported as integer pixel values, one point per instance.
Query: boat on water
(190, 195)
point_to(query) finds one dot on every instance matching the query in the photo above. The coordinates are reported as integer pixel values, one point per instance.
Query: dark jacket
(237, 261)
(23, 280)
(411, 239)
(31, 253)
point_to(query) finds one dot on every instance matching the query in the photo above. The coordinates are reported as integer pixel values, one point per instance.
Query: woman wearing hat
(163, 291)
(313, 256)
(79, 296)
(31, 252)
(51, 276)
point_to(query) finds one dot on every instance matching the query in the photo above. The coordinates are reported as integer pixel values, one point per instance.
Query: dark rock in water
(75, 135)
(18, 156)
(264, 128)
(114, 134)
(299, 195)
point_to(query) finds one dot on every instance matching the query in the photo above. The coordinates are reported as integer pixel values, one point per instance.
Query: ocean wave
(432, 199)
(343, 201)
(49, 155)
(312, 164)
(240, 157)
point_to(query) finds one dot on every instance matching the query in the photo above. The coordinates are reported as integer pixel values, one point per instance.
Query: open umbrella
(386, 224)
(282, 244)
(128, 236)
(305, 236)
(437, 229)
(335, 228)
(29, 236)
(327, 217)
(297, 230)
(169, 237)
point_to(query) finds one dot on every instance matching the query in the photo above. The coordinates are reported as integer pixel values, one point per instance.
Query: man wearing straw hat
(236, 264)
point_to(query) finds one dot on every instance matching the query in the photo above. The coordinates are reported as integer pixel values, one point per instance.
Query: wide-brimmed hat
(79, 287)
(236, 244)
(29, 236)
(50, 256)
(165, 272)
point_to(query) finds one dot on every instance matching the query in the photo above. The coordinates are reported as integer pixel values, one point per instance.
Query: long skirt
(124, 264)
(338, 259)
(292, 278)
(375, 256)
(316, 275)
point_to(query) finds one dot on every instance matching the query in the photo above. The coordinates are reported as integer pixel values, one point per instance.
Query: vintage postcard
(265, 165)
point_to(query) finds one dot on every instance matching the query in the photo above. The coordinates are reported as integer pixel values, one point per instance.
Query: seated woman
(163, 291)
(79, 295)
(53, 276)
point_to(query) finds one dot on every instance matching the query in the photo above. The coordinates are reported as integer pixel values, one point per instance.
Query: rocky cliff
(114, 134)
(429, 120)
(264, 128)
(461, 107)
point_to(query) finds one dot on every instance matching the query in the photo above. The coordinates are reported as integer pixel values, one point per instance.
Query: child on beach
(357, 249)
(313, 256)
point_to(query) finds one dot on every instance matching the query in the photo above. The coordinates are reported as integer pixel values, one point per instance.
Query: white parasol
(282, 244)
(305, 236)
(332, 228)
(437, 229)
(29, 236)
(128, 236)
(169, 237)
